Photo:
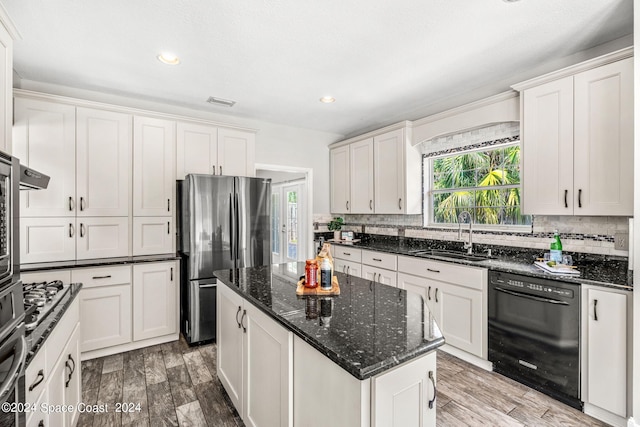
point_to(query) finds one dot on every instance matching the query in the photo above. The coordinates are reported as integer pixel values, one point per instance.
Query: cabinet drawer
(36, 373)
(60, 335)
(46, 276)
(469, 277)
(103, 276)
(380, 259)
(347, 253)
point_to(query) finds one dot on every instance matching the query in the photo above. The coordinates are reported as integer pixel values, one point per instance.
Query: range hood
(32, 180)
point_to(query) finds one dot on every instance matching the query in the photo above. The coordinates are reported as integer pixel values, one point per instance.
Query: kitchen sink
(459, 255)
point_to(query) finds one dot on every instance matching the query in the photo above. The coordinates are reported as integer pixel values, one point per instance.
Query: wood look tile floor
(176, 385)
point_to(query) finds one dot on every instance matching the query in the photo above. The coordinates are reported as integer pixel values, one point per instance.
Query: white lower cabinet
(606, 315)
(457, 296)
(105, 294)
(347, 267)
(53, 375)
(156, 293)
(379, 275)
(254, 362)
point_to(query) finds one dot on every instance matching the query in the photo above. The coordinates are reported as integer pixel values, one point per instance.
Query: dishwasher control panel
(531, 284)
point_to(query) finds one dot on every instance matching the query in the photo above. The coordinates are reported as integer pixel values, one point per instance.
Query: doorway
(290, 212)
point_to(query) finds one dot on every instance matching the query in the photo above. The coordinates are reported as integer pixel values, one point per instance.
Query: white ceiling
(384, 61)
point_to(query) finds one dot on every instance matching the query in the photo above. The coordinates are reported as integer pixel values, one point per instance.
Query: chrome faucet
(461, 217)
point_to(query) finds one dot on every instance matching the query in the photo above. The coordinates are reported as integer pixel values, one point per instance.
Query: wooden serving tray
(335, 288)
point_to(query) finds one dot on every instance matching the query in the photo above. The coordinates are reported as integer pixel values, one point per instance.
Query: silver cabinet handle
(70, 203)
(400, 203)
(70, 230)
(370, 205)
(82, 230)
(81, 203)
(433, 382)
(102, 277)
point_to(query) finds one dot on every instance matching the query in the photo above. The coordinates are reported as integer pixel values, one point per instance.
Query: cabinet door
(405, 396)
(197, 150)
(607, 351)
(6, 89)
(236, 152)
(268, 365)
(547, 151)
(229, 340)
(361, 171)
(460, 318)
(603, 150)
(389, 167)
(44, 138)
(103, 162)
(47, 239)
(380, 275)
(105, 237)
(55, 390)
(105, 316)
(340, 180)
(72, 381)
(154, 176)
(347, 267)
(153, 235)
(155, 300)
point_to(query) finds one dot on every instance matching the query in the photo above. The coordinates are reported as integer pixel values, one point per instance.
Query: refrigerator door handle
(237, 220)
(232, 224)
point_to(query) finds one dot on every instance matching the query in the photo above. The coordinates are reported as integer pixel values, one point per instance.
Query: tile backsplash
(588, 234)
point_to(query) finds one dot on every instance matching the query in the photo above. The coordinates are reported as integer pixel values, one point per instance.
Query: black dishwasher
(534, 333)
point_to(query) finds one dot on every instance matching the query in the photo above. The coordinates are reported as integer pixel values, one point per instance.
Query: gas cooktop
(39, 299)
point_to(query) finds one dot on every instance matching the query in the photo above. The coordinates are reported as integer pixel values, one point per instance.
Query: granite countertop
(37, 337)
(599, 270)
(366, 330)
(99, 262)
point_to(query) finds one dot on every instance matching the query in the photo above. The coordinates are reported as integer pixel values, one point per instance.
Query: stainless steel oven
(8, 218)
(13, 352)
(534, 333)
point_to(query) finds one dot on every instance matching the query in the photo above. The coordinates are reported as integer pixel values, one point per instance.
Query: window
(484, 182)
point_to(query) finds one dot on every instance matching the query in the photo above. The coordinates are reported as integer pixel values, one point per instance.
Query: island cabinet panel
(254, 362)
(405, 396)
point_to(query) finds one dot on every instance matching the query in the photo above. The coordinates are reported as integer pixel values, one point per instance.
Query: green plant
(336, 224)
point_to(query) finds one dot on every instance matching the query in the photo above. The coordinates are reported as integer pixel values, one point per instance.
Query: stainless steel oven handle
(533, 297)
(16, 369)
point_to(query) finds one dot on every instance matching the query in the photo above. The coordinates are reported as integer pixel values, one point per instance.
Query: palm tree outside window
(484, 182)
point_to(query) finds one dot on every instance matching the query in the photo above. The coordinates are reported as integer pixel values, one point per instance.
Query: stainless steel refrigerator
(223, 223)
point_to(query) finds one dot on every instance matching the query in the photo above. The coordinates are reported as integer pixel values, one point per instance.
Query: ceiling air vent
(220, 101)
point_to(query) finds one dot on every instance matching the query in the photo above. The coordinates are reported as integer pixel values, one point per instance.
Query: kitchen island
(362, 358)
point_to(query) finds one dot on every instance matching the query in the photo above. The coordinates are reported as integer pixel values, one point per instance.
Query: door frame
(308, 178)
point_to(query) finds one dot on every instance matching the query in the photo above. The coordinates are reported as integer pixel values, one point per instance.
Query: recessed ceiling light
(168, 58)
(327, 99)
(221, 101)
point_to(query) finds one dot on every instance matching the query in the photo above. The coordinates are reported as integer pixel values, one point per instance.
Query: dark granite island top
(367, 329)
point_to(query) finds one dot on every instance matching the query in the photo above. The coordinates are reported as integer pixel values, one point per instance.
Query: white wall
(275, 144)
(635, 410)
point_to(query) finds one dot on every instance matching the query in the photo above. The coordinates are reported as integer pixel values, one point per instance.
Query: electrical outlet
(621, 241)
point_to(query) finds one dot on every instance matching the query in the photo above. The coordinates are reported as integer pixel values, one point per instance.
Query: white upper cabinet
(197, 149)
(103, 159)
(577, 136)
(236, 152)
(361, 170)
(380, 173)
(389, 181)
(154, 176)
(44, 138)
(207, 149)
(603, 135)
(340, 180)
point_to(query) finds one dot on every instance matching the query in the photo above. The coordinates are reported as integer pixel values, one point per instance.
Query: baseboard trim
(93, 354)
(468, 357)
(606, 416)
